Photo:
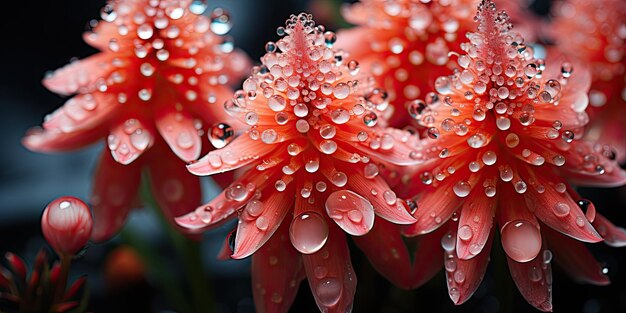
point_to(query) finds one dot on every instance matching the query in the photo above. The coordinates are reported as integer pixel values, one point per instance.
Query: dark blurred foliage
(38, 36)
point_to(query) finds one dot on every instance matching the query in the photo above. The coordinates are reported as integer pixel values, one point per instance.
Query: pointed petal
(175, 189)
(114, 190)
(129, 140)
(614, 236)
(434, 207)
(241, 151)
(385, 249)
(575, 258)
(179, 131)
(256, 228)
(353, 213)
(79, 75)
(558, 211)
(218, 210)
(394, 146)
(82, 112)
(602, 172)
(475, 224)
(277, 271)
(464, 276)
(40, 140)
(331, 277)
(385, 202)
(534, 281)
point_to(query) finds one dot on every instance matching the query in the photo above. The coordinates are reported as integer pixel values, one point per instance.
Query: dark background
(38, 36)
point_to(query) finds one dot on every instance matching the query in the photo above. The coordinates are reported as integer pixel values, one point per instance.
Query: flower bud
(67, 224)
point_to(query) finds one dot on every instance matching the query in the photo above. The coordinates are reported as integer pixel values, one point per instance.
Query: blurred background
(39, 36)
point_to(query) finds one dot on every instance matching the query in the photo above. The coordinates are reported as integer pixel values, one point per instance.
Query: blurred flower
(405, 44)
(596, 35)
(43, 290)
(504, 141)
(312, 157)
(162, 71)
(123, 269)
(67, 224)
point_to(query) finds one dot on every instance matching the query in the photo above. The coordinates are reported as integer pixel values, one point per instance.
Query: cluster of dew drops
(509, 88)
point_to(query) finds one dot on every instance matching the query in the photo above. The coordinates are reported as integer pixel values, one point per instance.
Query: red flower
(310, 160)
(67, 224)
(504, 142)
(597, 36)
(405, 44)
(161, 73)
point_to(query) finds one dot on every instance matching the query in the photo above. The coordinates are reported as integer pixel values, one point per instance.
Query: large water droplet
(220, 21)
(308, 232)
(220, 135)
(328, 291)
(521, 240)
(198, 6)
(353, 213)
(462, 188)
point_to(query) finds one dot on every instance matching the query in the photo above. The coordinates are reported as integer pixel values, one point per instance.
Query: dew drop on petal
(462, 188)
(521, 240)
(561, 209)
(328, 291)
(308, 232)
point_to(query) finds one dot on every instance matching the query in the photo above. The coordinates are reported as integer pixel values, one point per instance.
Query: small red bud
(67, 224)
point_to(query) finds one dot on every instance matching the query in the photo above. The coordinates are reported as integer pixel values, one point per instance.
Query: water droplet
(535, 274)
(462, 188)
(280, 185)
(269, 136)
(262, 223)
(561, 209)
(465, 232)
(370, 170)
(521, 240)
(340, 116)
(276, 103)
(568, 136)
(443, 85)
(220, 22)
(477, 140)
(220, 135)
(145, 31)
(448, 242)
(198, 6)
(459, 277)
(328, 291)
(308, 232)
(339, 179)
(341, 91)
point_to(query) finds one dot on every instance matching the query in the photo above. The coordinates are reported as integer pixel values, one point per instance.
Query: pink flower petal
(435, 206)
(79, 75)
(277, 271)
(257, 226)
(614, 236)
(175, 189)
(464, 276)
(575, 258)
(534, 281)
(330, 274)
(601, 173)
(386, 251)
(180, 133)
(560, 212)
(241, 151)
(82, 112)
(353, 213)
(40, 140)
(385, 202)
(475, 224)
(114, 191)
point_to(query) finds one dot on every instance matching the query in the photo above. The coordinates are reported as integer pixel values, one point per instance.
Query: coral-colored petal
(179, 131)
(393, 211)
(175, 189)
(128, 140)
(79, 75)
(575, 258)
(220, 209)
(560, 212)
(534, 281)
(385, 249)
(400, 150)
(353, 213)
(40, 140)
(241, 151)
(256, 228)
(614, 236)
(331, 277)
(114, 191)
(475, 224)
(277, 271)
(464, 276)
(84, 111)
(213, 112)
(426, 259)
(434, 208)
(599, 173)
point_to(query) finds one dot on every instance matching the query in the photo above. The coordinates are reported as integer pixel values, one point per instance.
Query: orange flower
(310, 160)
(162, 71)
(504, 142)
(597, 36)
(405, 44)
